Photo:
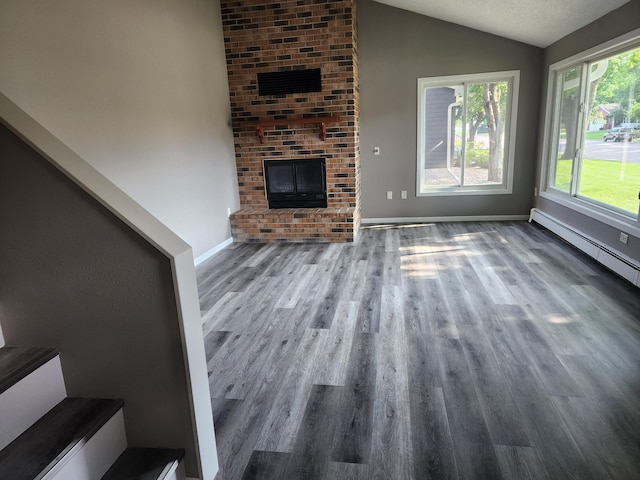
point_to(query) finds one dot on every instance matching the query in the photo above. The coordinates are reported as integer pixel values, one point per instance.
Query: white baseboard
(614, 260)
(213, 251)
(479, 218)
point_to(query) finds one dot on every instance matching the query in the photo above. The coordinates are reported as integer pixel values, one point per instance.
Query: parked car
(619, 135)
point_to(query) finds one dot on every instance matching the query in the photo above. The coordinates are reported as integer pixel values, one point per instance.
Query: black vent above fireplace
(296, 183)
(290, 81)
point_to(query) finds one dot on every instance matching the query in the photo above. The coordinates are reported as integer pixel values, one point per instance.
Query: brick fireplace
(264, 37)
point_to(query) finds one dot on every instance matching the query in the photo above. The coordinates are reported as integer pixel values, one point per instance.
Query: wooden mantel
(261, 125)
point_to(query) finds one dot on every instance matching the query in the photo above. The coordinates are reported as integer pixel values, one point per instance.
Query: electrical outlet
(389, 195)
(624, 238)
(535, 192)
(403, 194)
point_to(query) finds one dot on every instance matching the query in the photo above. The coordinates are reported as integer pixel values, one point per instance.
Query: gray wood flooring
(436, 351)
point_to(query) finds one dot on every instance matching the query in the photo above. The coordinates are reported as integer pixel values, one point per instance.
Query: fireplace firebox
(296, 183)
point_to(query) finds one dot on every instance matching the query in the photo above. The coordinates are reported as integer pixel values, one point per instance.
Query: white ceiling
(537, 22)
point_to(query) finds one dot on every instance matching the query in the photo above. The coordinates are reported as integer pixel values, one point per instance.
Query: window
(466, 133)
(592, 136)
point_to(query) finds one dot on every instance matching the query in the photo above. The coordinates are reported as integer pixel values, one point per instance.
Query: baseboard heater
(617, 262)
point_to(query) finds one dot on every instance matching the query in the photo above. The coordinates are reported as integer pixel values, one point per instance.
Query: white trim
(547, 139)
(166, 241)
(479, 218)
(478, 190)
(618, 262)
(506, 188)
(186, 289)
(207, 255)
(602, 50)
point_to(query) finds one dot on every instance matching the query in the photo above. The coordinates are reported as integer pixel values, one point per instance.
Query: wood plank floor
(436, 351)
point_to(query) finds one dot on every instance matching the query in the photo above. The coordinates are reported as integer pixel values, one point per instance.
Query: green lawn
(597, 135)
(615, 183)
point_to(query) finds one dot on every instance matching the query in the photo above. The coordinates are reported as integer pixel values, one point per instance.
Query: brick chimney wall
(260, 37)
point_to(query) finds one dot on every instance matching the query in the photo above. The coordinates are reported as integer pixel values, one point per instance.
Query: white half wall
(137, 89)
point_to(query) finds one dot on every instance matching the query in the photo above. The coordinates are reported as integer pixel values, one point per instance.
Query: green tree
(619, 115)
(488, 102)
(635, 112)
(614, 80)
(494, 113)
(620, 84)
(475, 111)
(621, 77)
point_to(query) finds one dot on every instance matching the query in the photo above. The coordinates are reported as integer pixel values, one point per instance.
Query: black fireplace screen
(296, 183)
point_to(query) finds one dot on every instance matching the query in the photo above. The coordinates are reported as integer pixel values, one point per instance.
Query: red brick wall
(263, 36)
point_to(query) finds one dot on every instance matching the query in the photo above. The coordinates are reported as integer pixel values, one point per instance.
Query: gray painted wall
(612, 25)
(74, 276)
(138, 90)
(396, 48)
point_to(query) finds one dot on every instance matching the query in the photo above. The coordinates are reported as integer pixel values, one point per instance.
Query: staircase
(46, 435)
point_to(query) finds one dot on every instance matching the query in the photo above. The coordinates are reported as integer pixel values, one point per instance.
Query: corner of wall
(210, 253)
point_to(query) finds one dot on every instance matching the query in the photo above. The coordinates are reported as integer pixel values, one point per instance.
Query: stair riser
(176, 474)
(29, 399)
(91, 460)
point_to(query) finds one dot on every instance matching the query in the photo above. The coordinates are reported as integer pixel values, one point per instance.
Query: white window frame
(609, 215)
(506, 187)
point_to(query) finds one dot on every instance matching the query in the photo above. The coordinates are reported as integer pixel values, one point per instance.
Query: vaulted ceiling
(536, 22)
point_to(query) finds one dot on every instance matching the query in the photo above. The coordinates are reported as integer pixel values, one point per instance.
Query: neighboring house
(605, 112)
(437, 137)
(140, 92)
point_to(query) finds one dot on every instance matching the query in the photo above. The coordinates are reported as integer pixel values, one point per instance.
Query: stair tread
(41, 446)
(17, 362)
(144, 464)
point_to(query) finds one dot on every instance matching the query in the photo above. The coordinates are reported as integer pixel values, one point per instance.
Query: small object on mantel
(260, 125)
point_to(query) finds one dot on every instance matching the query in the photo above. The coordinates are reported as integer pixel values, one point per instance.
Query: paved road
(614, 151)
(617, 151)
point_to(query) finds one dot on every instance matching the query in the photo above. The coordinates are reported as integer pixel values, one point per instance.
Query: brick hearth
(293, 224)
(266, 37)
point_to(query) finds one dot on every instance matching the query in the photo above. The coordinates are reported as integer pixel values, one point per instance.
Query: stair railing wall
(73, 247)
